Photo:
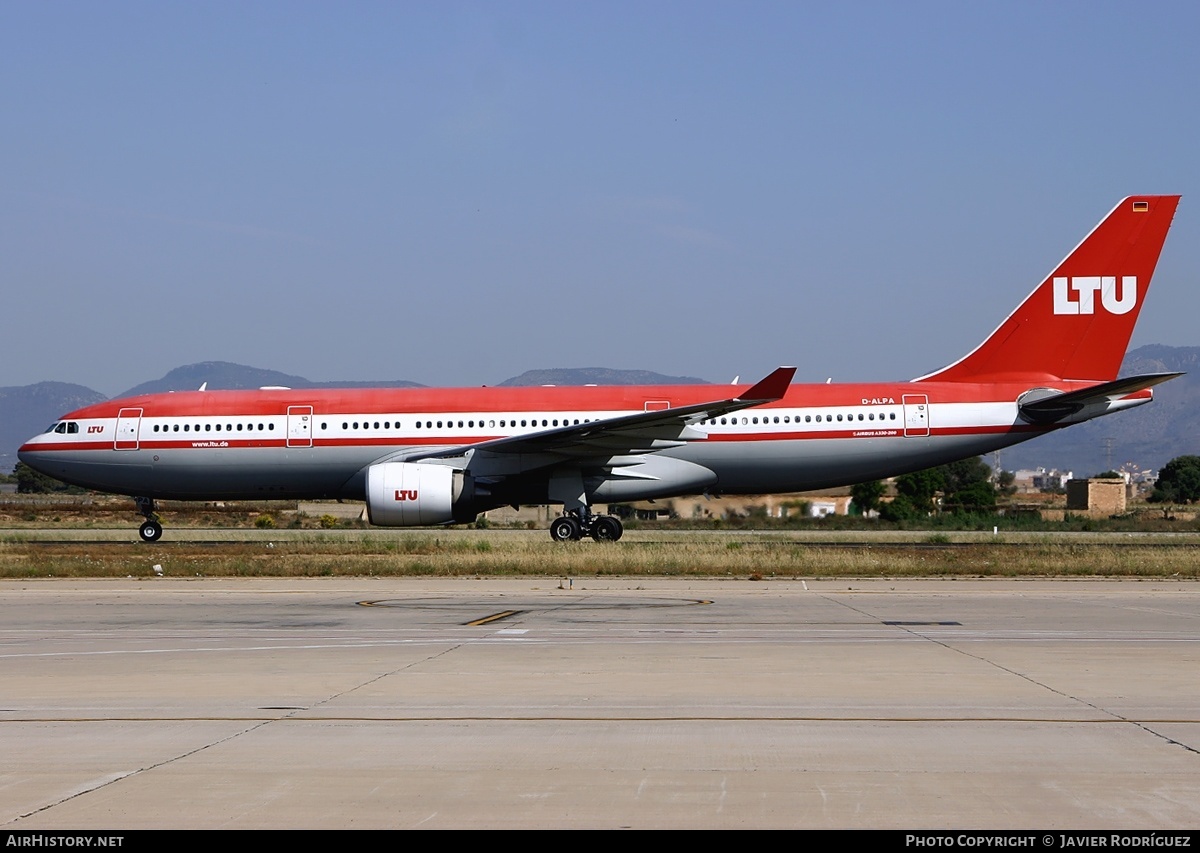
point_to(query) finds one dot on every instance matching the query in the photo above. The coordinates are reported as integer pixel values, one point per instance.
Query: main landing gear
(574, 524)
(151, 529)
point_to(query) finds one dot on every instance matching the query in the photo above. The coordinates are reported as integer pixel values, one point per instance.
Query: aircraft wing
(643, 432)
(1042, 405)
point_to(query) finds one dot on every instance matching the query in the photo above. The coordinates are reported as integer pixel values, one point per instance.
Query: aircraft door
(299, 426)
(916, 414)
(129, 423)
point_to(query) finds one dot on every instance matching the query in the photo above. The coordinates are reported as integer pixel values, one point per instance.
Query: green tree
(968, 487)
(1178, 481)
(914, 495)
(920, 487)
(866, 495)
(30, 482)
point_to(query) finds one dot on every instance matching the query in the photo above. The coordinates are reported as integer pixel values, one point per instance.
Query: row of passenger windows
(869, 416)
(213, 427)
(787, 419)
(73, 427)
(504, 423)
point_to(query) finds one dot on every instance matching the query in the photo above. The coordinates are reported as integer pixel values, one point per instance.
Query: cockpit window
(60, 428)
(72, 427)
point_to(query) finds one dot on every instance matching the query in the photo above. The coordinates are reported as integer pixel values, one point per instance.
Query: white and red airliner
(440, 456)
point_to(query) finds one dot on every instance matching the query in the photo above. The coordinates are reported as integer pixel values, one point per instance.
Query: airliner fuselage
(434, 456)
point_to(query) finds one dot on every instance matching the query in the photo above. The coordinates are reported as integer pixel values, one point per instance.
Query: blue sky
(454, 193)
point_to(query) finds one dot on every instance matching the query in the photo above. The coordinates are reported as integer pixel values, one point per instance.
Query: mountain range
(1147, 437)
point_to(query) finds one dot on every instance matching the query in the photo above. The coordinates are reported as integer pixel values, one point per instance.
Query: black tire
(565, 529)
(150, 531)
(606, 528)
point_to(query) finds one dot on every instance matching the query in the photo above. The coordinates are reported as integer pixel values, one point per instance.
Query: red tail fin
(1077, 323)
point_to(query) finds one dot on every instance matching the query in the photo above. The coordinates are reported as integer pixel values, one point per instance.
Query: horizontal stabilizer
(1043, 405)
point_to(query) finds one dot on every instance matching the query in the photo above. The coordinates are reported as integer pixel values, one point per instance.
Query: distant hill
(226, 376)
(28, 409)
(597, 376)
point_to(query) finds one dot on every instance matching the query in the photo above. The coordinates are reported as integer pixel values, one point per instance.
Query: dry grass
(430, 554)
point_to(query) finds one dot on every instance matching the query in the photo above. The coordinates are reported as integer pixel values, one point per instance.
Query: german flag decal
(1141, 206)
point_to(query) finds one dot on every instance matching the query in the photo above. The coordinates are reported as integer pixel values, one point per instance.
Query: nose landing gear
(151, 529)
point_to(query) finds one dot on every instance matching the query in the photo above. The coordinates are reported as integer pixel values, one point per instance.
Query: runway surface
(601, 703)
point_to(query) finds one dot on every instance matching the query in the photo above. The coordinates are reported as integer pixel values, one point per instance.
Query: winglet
(772, 388)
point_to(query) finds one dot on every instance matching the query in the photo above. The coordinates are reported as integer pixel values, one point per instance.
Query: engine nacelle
(409, 494)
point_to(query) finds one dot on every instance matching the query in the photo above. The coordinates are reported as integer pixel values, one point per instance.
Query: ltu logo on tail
(1077, 295)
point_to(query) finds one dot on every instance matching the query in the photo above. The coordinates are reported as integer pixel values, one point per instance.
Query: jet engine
(407, 494)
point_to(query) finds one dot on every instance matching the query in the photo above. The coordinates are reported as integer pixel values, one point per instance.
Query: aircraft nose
(31, 455)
